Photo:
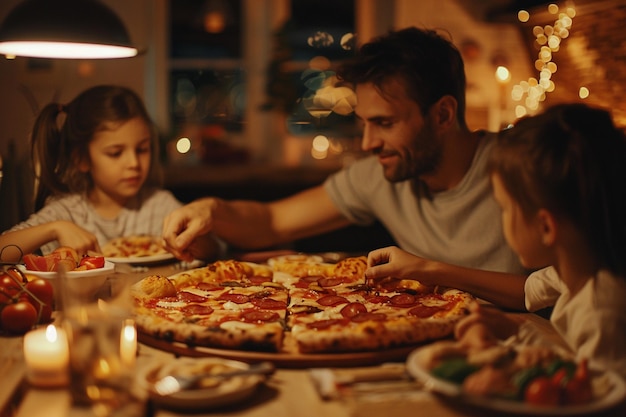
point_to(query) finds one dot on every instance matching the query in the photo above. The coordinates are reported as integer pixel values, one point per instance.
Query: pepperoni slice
(403, 300)
(329, 281)
(331, 300)
(304, 282)
(325, 324)
(352, 309)
(269, 303)
(257, 279)
(377, 299)
(196, 310)
(423, 311)
(235, 298)
(256, 316)
(367, 316)
(190, 297)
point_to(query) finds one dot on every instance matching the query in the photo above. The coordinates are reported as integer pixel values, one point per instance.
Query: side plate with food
(446, 374)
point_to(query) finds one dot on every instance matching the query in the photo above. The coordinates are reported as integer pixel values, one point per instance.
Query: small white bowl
(82, 283)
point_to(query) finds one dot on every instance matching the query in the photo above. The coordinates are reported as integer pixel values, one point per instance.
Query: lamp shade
(81, 29)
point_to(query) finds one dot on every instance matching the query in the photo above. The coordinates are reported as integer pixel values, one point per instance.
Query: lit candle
(46, 354)
(128, 343)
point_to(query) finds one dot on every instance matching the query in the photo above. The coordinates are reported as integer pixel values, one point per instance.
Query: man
(426, 181)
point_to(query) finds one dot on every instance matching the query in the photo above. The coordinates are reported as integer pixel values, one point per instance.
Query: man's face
(395, 130)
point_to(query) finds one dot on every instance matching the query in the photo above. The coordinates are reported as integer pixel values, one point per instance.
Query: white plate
(108, 267)
(614, 396)
(142, 260)
(227, 392)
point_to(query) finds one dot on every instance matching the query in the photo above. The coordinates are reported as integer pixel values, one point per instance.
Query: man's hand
(184, 225)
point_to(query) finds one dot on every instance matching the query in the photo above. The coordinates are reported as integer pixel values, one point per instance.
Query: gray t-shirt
(460, 226)
(143, 215)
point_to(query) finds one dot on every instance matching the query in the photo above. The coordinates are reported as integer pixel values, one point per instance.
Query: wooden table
(288, 393)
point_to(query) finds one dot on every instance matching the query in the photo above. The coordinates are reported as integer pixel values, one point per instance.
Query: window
(209, 78)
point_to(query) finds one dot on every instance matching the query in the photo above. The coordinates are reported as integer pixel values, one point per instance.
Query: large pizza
(293, 305)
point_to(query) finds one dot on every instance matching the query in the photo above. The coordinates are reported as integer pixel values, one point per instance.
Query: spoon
(171, 384)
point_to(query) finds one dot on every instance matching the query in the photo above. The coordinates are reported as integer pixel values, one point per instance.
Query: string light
(548, 41)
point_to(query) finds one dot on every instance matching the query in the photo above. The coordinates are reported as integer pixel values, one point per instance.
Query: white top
(460, 226)
(143, 215)
(592, 322)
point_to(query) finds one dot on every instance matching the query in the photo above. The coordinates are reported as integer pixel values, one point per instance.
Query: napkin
(331, 383)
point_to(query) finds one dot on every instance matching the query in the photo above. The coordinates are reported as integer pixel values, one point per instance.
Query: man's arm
(252, 224)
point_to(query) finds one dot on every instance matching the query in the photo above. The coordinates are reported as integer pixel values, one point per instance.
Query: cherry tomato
(541, 391)
(42, 289)
(579, 390)
(8, 289)
(18, 317)
(92, 262)
(561, 377)
(35, 262)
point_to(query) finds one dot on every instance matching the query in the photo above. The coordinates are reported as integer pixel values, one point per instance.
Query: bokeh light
(183, 145)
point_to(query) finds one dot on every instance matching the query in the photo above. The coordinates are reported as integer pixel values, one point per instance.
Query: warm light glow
(523, 16)
(128, 343)
(548, 41)
(319, 147)
(503, 74)
(183, 145)
(319, 62)
(214, 22)
(583, 92)
(65, 50)
(46, 354)
(520, 111)
(51, 334)
(320, 143)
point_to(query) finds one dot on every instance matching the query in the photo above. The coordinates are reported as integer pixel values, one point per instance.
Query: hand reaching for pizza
(184, 225)
(395, 262)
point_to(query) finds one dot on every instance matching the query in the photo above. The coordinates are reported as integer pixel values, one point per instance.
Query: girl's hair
(570, 160)
(429, 65)
(59, 145)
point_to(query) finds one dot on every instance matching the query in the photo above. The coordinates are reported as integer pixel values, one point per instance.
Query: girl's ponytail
(49, 154)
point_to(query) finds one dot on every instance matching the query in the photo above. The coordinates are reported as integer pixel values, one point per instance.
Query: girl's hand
(394, 262)
(484, 325)
(71, 235)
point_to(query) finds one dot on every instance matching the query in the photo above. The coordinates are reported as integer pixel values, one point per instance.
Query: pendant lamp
(78, 29)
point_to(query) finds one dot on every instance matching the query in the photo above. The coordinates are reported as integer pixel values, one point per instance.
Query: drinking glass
(102, 341)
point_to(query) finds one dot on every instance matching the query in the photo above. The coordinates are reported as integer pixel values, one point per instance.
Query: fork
(172, 384)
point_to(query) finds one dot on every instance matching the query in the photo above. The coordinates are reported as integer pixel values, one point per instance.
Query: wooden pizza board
(284, 359)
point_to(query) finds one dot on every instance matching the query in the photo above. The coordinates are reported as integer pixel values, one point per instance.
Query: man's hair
(429, 65)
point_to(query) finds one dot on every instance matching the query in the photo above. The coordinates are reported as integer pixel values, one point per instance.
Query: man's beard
(416, 164)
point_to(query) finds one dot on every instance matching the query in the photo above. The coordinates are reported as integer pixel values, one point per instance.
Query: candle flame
(51, 333)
